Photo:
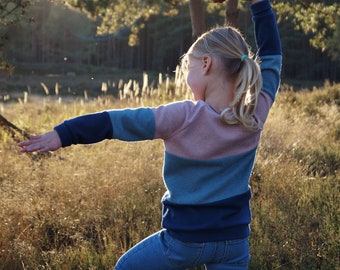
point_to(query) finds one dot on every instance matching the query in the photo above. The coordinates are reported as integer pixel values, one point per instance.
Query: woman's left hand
(49, 141)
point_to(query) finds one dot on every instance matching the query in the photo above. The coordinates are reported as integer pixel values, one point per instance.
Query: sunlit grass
(84, 206)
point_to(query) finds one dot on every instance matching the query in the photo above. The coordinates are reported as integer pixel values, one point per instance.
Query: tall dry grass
(82, 207)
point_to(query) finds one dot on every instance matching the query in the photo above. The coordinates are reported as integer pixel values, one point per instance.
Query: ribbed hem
(233, 233)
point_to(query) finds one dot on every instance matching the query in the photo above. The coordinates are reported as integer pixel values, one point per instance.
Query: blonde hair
(227, 44)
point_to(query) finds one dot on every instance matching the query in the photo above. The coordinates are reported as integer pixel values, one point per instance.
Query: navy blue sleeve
(266, 31)
(85, 129)
(126, 125)
(269, 46)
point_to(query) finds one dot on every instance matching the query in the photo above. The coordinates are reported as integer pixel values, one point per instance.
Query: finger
(31, 146)
(31, 137)
(28, 148)
(24, 144)
(35, 137)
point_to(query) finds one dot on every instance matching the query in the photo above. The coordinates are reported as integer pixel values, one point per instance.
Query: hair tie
(244, 56)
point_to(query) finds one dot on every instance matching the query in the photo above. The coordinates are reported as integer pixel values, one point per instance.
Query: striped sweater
(207, 163)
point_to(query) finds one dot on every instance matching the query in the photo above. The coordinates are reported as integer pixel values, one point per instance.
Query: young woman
(210, 146)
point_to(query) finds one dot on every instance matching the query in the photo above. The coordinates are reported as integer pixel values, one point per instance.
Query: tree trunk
(197, 18)
(231, 13)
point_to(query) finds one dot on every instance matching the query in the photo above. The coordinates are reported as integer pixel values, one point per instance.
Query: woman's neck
(220, 94)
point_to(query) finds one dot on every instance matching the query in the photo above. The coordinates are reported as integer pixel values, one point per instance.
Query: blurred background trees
(10, 13)
(152, 35)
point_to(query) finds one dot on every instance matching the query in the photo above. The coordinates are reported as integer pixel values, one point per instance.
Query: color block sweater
(207, 163)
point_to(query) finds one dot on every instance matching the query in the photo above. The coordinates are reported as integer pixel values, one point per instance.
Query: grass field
(83, 206)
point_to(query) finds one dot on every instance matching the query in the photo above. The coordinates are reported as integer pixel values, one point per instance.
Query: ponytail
(248, 86)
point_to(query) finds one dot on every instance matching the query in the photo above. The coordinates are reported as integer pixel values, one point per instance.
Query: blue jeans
(160, 251)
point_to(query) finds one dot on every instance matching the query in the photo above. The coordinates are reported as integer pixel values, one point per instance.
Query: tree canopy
(317, 19)
(10, 12)
(320, 20)
(153, 29)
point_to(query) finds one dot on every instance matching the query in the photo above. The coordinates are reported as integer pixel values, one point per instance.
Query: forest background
(80, 36)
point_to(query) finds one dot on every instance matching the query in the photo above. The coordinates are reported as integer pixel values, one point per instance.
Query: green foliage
(93, 7)
(334, 48)
(318, 20)
(134, 15)
(152, 35)
(10, 13)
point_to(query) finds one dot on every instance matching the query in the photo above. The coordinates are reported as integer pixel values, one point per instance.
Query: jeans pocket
(238, 252)
(183, 254)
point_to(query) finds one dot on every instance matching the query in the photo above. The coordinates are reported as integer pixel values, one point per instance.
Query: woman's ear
(206, 64)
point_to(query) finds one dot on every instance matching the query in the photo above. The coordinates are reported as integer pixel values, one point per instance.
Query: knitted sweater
(207, 163)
